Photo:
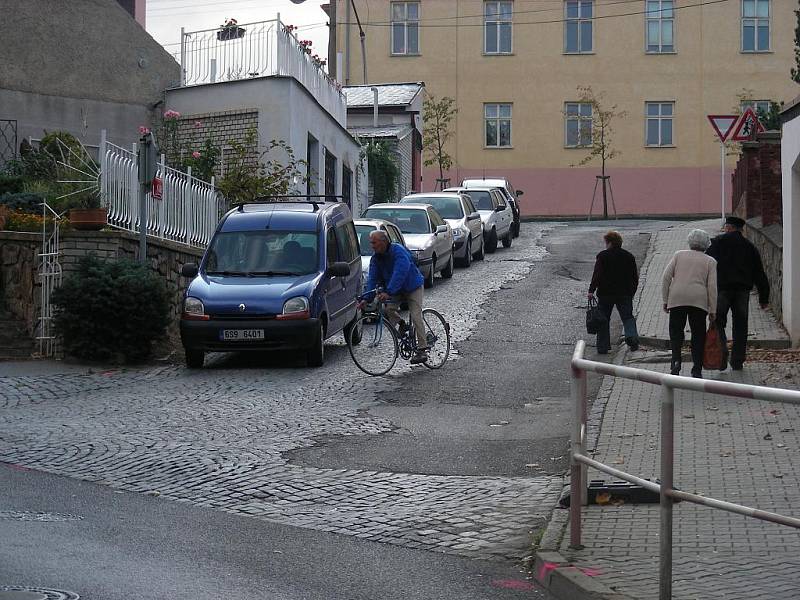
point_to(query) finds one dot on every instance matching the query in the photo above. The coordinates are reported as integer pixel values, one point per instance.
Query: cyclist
(393, 268)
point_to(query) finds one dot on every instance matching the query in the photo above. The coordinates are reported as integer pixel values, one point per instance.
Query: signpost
(723, 125)
(148, 169)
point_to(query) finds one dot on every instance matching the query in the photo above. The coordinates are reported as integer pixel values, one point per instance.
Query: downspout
(347, 45)
(374, 106)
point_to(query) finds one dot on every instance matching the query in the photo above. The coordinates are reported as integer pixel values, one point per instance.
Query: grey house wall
(286, 111)
(80, 66)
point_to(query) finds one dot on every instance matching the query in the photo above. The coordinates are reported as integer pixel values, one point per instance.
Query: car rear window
(249, 253)
(408, 220)
(448, 208)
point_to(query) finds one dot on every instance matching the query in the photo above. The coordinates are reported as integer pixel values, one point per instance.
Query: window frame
(497, 23)
(660, 19)
(579, 20)
(579, 118)
(745, 104)
(497, 120)
(660, 117)
(405, 23)
(755, 19)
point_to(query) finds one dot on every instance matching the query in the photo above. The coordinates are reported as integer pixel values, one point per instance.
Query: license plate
(241, 335)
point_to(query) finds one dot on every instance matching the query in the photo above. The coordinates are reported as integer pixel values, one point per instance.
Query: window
(394, 235)
(497, 18)
(346, 242)
(330, 246)
(330, 177)
(578, 117)
(347, 186)
(470, 206)
(405, 28)
(660, 22)
(757, 105)
(498, 199)
(498, 125)
(755, 25)
(659, 123)
(578, 26)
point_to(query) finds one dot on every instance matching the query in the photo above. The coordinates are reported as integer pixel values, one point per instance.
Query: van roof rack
(298, 198)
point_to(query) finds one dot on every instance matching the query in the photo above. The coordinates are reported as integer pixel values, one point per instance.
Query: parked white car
(462, 216)
(495, 212)
(504, 185)
(427, 235)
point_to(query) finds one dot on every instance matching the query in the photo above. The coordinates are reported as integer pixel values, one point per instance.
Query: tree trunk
(603, 170)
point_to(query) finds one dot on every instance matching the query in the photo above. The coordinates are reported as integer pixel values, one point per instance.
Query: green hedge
(111, 310)
(24, 201)
(11, 184)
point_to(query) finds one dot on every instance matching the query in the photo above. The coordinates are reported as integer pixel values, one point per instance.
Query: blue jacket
(395, 271)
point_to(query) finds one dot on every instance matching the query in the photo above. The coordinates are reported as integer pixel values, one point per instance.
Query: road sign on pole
(723, 125)
(747, 127)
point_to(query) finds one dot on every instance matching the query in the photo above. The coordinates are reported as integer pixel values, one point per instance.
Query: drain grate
(43, 517)
(18, 592)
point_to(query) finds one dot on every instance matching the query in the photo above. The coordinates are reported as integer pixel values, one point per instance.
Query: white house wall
(790, 169)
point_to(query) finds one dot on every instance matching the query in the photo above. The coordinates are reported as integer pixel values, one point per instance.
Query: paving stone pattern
(216, 438)
(653, 322)
(739, 450)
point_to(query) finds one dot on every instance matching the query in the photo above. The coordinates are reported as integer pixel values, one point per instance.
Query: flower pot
(88, 219)
(230, 33)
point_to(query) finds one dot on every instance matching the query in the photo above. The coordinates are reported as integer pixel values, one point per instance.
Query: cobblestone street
(217, 438)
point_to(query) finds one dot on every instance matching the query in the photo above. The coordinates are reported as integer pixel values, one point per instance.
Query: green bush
(24, 202)
(109, 310)
(11, 184)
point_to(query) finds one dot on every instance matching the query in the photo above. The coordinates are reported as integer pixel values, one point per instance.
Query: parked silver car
(426, 233)
(495, 212)
(462, 216)
(504, 185)
(363, 228)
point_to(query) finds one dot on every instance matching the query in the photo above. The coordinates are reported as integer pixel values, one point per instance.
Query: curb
(663, 344)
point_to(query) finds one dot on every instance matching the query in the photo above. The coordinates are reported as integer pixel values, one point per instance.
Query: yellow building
(514, 66)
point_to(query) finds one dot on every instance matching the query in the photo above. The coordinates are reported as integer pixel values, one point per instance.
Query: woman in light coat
(689, 291)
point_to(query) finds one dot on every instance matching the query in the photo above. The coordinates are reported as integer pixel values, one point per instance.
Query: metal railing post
(183, 56)
(667, 464)
(577, 470)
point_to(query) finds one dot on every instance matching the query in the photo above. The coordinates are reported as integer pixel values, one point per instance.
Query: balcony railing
(252, 50)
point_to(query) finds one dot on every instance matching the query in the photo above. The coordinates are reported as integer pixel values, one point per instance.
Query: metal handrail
(579, 460)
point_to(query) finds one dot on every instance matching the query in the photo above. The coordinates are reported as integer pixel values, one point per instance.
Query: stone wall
(18, 267)
(769, 241)
(19, 287)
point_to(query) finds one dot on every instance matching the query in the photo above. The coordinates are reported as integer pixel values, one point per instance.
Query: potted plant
(230, 30)
(85, 212)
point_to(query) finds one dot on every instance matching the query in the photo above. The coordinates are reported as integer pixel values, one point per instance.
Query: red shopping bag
(712, 353)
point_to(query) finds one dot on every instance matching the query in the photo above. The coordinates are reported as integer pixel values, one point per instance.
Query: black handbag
(594, 317)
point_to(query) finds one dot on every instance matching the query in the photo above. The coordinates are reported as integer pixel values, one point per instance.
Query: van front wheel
(315, 356)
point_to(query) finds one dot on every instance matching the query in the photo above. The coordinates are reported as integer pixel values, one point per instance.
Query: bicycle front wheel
(377, 351)
(437, 335)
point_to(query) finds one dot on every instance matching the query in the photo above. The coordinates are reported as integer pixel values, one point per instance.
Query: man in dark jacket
(615, 279)
(738, 268)
(393, 268)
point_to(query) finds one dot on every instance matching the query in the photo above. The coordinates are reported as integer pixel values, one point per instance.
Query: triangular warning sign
(723, 125)
(747, 127)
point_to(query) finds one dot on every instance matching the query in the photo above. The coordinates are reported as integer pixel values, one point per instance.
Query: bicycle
(375, 343)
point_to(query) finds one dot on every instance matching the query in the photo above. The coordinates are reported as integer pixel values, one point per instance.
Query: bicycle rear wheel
(437, 334)
(377, 351)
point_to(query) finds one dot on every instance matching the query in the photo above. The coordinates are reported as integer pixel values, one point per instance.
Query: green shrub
(109, 310)
(10, 184)
(24, 202)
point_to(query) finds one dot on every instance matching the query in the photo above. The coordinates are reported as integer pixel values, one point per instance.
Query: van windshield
(481, 199)
(264, 253)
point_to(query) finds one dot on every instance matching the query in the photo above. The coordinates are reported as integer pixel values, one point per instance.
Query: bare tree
(598, 132)
(437, 116)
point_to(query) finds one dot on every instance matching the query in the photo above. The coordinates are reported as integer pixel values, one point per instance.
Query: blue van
(276, 275)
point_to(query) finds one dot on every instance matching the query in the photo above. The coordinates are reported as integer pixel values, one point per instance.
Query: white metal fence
(256, 50)
(188, 211)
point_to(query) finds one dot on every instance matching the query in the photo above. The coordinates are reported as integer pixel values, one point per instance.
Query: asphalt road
(503, 407)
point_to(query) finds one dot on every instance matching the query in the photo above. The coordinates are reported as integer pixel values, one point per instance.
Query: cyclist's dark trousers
(414, 301)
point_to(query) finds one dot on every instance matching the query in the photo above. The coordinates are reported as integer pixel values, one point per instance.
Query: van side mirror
(189, 270)
(473, 216)
(441, 229)
(500, 208)
(519, 193)
(338, 269)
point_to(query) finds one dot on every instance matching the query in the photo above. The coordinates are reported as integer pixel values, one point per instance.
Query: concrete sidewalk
(742, 451)
(653, 323)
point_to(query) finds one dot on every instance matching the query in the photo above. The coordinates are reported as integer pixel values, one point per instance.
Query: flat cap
(735, 221)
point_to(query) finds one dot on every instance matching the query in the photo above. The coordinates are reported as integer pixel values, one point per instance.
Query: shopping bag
(595, 318)
(712, 353)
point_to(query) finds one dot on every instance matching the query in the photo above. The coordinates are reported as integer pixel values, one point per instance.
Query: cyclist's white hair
(379, 233)
(698, 239)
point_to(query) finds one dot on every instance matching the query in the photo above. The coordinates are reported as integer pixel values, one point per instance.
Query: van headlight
(193, 309)
(295, 308)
